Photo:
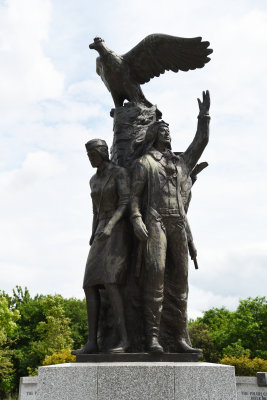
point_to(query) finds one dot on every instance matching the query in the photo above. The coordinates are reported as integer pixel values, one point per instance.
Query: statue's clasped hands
(140, 229)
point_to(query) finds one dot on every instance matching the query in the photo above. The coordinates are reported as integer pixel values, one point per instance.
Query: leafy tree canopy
(239, 333)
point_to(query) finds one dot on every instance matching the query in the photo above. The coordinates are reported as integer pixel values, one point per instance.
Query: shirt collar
(105, 170)
(156, 154)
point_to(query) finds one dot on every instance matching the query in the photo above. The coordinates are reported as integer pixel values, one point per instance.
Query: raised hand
(204, 106)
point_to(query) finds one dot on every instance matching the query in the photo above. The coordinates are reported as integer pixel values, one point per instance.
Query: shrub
(245, 366)
(236, 350)
(61, 357)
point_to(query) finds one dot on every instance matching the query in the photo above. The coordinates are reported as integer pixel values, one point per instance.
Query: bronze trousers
(166, 248)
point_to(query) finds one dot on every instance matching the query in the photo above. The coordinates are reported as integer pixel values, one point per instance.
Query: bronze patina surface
(136, 275)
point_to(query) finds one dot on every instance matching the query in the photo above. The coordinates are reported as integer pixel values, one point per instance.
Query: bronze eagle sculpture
(157, 53)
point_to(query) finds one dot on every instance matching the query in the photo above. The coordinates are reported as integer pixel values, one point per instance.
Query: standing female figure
(107, 260)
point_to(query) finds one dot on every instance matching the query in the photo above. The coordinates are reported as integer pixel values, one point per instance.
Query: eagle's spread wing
(158, 52)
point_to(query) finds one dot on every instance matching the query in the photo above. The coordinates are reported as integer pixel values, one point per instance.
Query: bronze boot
(152, 314)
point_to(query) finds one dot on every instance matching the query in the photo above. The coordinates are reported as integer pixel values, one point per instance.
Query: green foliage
(61, 357)
(42, 329)
(245, 366)
(8, 319)
(201, 338)
(8, 329)
(54, 334)
(220, 323)
(75, 310)
(211, 333)
(261, 354)
(236, 350)
(31, 311)
(238, 333)
(32, 371)
(250, 325)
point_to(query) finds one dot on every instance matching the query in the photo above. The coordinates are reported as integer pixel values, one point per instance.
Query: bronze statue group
(153, 195)
(149, 200)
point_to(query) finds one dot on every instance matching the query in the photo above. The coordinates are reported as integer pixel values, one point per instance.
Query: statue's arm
(95, 217)
(139, 181)
(94, 226)
(200, 141)
(123, 187)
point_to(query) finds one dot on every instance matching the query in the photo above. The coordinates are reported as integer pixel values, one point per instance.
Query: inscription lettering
(254, 395)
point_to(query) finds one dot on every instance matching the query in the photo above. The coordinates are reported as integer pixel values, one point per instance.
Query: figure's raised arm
(200, 141)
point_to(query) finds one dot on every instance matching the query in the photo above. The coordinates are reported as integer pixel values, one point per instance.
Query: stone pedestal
(28, 387)
(136, 381)
(249, 388)
(138, 357)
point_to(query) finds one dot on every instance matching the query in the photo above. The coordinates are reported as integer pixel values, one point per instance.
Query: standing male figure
(158, 219)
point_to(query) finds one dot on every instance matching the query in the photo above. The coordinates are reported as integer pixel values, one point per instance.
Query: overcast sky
(52, 102)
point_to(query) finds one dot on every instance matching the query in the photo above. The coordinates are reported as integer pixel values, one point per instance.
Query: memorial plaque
(28, 387)
(248, 389)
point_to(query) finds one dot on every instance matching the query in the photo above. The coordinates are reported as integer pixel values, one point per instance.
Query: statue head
(158, 132)
(97, 43)
(97, 151)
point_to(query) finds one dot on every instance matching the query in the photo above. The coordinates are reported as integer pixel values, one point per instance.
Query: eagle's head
(98, 42)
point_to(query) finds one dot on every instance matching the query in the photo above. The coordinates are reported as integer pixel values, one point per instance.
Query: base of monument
(136, 381)
(138, 357)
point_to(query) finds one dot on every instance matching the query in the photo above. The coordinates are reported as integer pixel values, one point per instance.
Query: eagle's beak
(92, 46)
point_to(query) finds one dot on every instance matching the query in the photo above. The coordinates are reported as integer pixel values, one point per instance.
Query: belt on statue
(106, 214)
(169, 211)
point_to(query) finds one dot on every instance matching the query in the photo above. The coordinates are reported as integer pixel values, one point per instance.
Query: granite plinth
(137, 381)
(248, 388)
(138, 357)
(28, 387)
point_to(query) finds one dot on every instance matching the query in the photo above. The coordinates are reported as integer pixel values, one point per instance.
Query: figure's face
(163, 135)
(95, 158)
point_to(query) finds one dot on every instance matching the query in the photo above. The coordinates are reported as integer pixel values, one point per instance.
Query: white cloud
(37, 167)
(28, 73)
(201, 300)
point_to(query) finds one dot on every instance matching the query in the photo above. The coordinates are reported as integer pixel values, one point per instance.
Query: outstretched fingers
(204, 105)
(207, 97)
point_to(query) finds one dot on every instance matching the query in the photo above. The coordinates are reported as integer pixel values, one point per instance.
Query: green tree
(32, 312)
(237, 333)
(236, 350)
(75, 310)
(8, 330)
(54, 333)
(201, 338)
(43, 329)
(250, 326)
(219, 322)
